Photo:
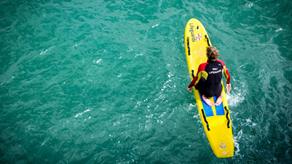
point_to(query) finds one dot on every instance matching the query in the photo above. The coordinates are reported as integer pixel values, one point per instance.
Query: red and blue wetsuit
(208, 79)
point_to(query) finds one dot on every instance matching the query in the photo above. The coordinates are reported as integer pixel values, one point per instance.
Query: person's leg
(219, 96)
(207, 101)
(218, 101)
(202, 90)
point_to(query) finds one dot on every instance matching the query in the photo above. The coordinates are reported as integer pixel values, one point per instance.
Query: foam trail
(236, 142)
(237, 96)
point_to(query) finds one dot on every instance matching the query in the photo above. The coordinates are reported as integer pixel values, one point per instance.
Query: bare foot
(219, 101)
(207, 101)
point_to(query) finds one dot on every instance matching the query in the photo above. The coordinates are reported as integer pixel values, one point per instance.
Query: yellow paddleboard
(216, 119)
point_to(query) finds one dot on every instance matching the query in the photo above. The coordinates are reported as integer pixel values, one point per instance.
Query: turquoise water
(85, 81)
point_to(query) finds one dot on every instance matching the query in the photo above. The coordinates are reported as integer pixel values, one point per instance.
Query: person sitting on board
(209, 75)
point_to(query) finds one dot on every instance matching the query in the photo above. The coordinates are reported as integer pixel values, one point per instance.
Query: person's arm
(192, 82)
(225, 71)
(201, 75)
(227, 76)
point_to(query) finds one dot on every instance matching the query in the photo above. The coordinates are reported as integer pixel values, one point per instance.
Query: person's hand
(189, 89)
(228, 88)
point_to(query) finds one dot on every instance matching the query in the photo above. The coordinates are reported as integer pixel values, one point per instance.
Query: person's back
(209, 75)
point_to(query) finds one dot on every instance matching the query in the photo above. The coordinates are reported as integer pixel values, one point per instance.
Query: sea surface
(100, 81)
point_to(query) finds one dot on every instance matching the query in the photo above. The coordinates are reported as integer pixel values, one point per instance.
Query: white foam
(169, 75)
(167, 82)
(279, 29)
(234, 99)
(119, 75)
(249, 4)
(191, 107)
(236, 142)
(44, 52)
(81, 113)
(196, 116)
(75, 45)
(138, 55)
(248, 122)
(138, 104)
(98, 61)
(44, 142)
(156, 25)
(237, 95)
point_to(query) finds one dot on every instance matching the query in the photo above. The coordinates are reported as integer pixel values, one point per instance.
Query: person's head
(212, 53)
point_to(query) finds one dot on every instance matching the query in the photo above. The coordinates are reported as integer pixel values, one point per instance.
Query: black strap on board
(228, 120)
(193, 74)
(208, 41)
(205, 119)
(188, 46)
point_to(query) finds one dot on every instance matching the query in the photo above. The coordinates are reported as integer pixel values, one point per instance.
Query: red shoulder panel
(202, 67)
(220, 61)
